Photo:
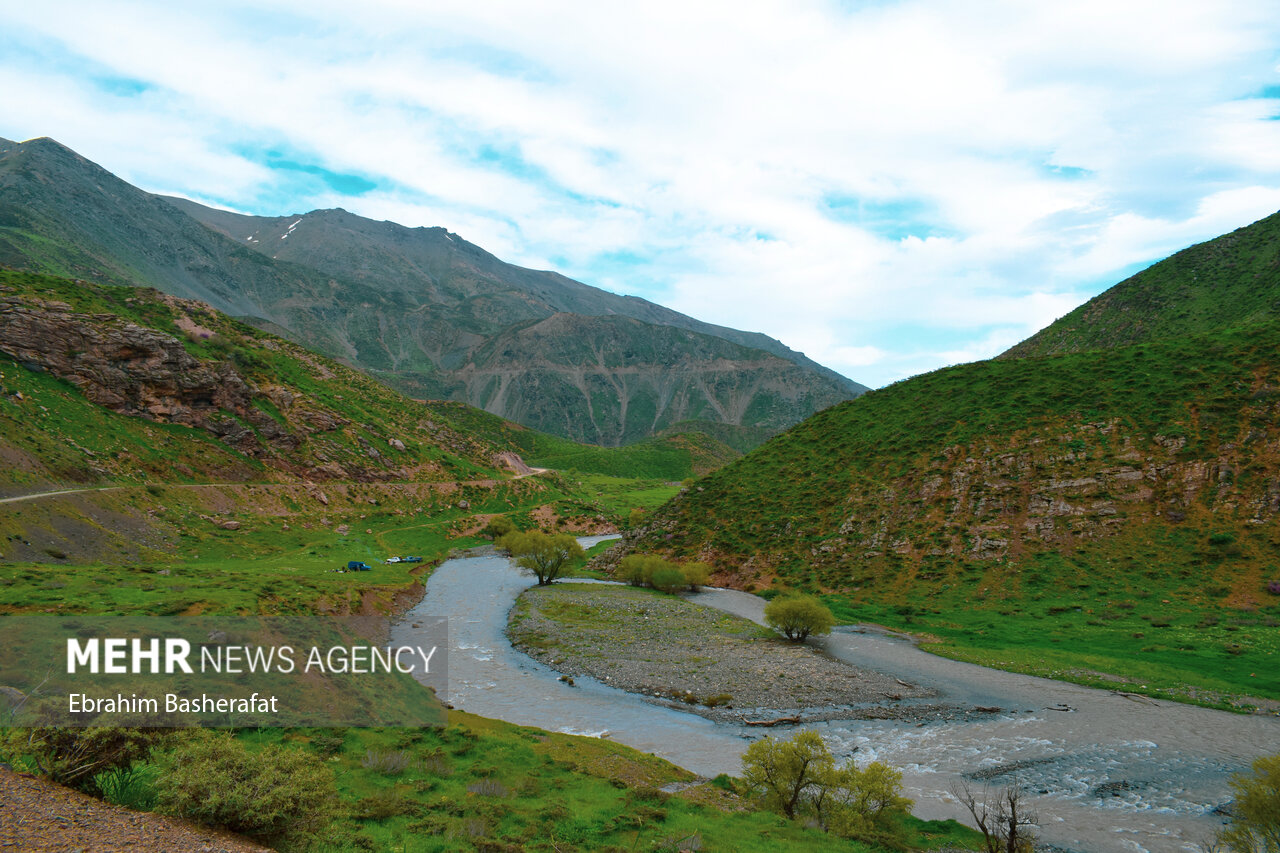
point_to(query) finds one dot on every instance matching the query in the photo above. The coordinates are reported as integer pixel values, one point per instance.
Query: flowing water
(1105, 772)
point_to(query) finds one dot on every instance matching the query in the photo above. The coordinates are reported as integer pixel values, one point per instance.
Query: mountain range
(419, 308)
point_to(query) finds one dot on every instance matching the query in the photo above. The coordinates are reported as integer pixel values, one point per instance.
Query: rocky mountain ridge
(413, 307)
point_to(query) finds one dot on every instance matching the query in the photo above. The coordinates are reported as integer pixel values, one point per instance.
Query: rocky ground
(36, 815)
(702, 660)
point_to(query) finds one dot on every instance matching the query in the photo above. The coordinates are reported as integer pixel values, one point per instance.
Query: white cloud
(1000, 159)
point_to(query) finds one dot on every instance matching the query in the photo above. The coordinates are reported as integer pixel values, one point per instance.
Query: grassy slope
(674, 457)
(179, 558)
(1225, 282)
(1167, 602)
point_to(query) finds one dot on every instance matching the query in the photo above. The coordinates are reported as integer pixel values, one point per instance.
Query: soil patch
(38, 815)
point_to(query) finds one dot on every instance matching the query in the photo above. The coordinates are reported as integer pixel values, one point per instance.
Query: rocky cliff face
(143, 371)
(1051, 490)
(138, 371)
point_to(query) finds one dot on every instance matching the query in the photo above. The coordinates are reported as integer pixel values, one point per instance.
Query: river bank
(697, 659)
(1106, 773)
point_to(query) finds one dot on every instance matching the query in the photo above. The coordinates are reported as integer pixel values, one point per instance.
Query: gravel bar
(699, 659)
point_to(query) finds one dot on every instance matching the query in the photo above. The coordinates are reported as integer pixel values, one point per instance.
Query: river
(1105, 772)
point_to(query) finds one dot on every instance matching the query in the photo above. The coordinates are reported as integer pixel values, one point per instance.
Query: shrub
(387, 763)
(1255, 822)
(866, 804)
(84, 758)
(798, 616)
(668, 578)
(487, 788)
(384, 804)
(787, 774)
(274, 794)
(695, 574)
(330, 744)
(1274, 587)
(499, 526)
(632, 569)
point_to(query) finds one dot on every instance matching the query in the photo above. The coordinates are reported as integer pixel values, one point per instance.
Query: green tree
(543, 554)
(636, 517)
(788, 773)
(797, 616)
(1255, 822)
(798, 777)
(866, 804)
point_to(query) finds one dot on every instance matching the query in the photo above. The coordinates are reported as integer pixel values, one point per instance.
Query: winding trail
(1107, 774)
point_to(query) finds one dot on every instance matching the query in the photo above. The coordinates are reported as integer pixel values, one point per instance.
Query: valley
(1102, 514)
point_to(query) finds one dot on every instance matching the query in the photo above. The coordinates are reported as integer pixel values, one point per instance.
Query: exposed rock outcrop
(135, 370)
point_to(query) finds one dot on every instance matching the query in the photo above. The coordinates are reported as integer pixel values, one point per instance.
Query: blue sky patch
(1070, 173)
(895, 219)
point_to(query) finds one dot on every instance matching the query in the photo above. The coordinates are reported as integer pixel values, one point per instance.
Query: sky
(888, 187)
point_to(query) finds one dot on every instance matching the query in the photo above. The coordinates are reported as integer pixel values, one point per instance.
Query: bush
(1255, 822)
(668, 578)
(499, 526)
(798, 616)
(632, 569)
(787, 774)
(799, 777)
(641, 569)
(83, 758)
(387, 763)
(695, 574)
(275, 794)
(867, 804)
(384, 804)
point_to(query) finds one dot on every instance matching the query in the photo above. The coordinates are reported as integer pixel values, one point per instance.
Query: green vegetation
(798, 778)
(798, 616)
(475, 784)
(663, 575)
(1255, 814)
(668, 458)
(1226, 282)
(276, 794)
(930, 506)
(1149, 641)
(546, 555)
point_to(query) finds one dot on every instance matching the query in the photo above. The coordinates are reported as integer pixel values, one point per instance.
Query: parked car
(357, 566)
(411, 559)
(394, 560)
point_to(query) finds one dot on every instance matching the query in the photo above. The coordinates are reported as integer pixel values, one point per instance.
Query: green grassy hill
(1232, 280)
(114, 391)
(1095, 512)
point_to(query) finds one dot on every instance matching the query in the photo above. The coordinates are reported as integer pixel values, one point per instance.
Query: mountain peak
(422, 309)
